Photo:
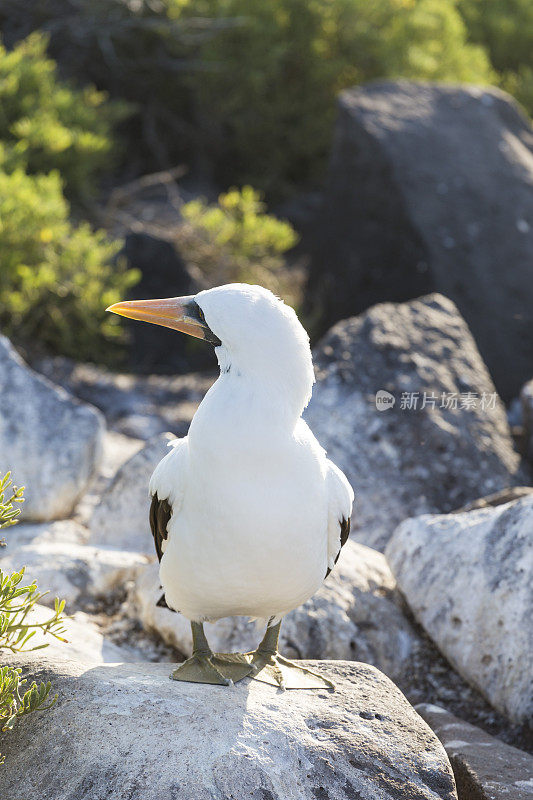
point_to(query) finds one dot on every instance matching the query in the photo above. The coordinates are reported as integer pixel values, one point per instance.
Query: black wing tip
(345, 533)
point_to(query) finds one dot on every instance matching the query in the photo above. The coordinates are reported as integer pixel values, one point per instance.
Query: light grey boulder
(126, 729)
(484, 767)
(355, 616)
(404, 461)
(117, 449)
(56, 556)
(467, 579)
(83, 640)
(120, 520)
(50, 441)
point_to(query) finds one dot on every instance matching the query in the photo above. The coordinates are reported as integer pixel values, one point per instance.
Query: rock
(403, 462)
(120, 520)
(135, 405)
(117, 449)
(129, 727)
(467, 579)
(56, 556)
(430, 189)
(163, 274)
(484, 767)
(526, 396)
(84, 642)
(498, 498)
(353, 616)
(51, 442)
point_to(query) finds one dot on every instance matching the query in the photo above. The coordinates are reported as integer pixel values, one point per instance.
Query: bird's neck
(247, 402)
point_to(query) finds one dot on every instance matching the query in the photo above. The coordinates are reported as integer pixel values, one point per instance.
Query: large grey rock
(50, 441)
(56, 556)
(467, 579)
(355, 615)
(126, 730)
(120, 520)
(431, 188)
(526, 396)
(484, 767)
(403, 462)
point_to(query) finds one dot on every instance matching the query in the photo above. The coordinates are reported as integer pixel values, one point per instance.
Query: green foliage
(56, 279)
(505, 29)
(9, 512)
(16, 630)
(269, 87)
(134, 51)
(236, 241)
(16, 602)
(47, 124)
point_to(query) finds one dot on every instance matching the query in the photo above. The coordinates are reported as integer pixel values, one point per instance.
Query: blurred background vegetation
(98, 93)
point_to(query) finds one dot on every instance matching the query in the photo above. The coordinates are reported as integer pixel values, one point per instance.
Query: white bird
(248, 514)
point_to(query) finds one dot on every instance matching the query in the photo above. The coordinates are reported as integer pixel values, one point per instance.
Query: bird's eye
(201, 314)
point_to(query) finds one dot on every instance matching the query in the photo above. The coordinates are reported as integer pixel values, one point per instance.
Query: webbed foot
(218, 668)
(277, 670)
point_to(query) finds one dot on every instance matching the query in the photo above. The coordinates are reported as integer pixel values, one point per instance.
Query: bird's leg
(271, 667)
(204, 666)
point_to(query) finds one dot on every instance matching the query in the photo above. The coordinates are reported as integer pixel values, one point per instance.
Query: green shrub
(47, 124)
(56, 279)
(269, 87)
(236, 241)
(16, 631)
(132, 50)
(505, 29)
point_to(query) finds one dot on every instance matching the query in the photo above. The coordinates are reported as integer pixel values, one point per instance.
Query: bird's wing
(340, 500)
(167, 485)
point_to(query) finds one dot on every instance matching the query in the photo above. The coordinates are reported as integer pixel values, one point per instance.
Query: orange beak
(179, 313)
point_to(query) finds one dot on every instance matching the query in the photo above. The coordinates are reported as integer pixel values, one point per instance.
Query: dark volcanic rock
(526, 397)
(454, 447)
(484, 767)
(431, 188)
(126, 730)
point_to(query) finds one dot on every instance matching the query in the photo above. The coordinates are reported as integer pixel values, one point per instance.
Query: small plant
(236, 241)
(9, 494)
(56, 278)
(47, 124)
(16, 631)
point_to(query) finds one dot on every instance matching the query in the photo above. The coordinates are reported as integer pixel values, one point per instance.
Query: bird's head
(254, 333)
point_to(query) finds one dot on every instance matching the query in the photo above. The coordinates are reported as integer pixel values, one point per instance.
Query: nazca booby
(248, 514)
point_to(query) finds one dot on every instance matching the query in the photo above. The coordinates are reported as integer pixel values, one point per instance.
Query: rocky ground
(445, 612)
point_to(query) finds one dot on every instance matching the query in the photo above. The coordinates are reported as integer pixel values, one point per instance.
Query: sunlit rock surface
(129, 730)
(50, 441)
(467, 579)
